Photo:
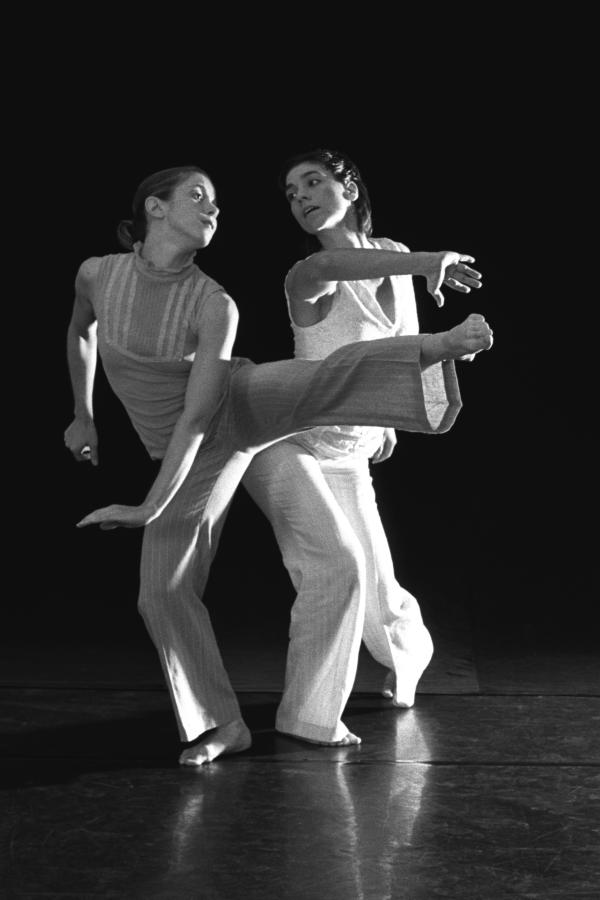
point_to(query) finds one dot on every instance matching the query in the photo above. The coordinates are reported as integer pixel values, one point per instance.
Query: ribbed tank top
(355, 315)
(147, 335)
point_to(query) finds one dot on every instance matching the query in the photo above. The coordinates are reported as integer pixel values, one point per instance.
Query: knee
(338, 569)
(151, 600)
(349, 562)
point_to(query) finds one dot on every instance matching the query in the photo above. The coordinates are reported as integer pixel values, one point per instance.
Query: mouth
(210, 222)
(309, 210)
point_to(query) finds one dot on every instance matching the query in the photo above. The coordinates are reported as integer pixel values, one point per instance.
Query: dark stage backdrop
(489, 514)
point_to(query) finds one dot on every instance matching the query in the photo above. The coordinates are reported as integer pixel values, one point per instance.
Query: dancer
(165, 331)
(315, 487)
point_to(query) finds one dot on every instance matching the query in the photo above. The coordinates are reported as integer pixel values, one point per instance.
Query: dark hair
(160, 184)
(343, 169)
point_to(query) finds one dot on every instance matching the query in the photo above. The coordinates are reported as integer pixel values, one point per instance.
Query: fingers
(87, 453)
(84, 522)
(458, 285)
(465, 273)
(464, 258)
(105, 516)
(467, 270)
(437, 296)
(93, 454)
(92, 519)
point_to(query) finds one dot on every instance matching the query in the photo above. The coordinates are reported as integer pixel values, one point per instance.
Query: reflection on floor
(488, 793)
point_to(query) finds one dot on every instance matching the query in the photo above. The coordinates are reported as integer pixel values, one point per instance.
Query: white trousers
(373, 382)
(325, 518)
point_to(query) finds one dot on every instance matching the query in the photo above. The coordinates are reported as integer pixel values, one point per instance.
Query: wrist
(85, 416)
(422, 262)
(153, 508)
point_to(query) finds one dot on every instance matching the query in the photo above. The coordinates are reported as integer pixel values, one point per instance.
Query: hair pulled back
(160, 184)
(344, 170)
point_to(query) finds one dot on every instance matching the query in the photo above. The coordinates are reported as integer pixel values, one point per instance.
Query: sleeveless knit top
(147, 335)
(355, 315)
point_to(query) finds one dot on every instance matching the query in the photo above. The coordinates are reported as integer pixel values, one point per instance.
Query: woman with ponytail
(165, 332)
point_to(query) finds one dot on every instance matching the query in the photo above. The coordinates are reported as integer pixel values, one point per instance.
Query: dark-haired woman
(165, 332)
(315, 487)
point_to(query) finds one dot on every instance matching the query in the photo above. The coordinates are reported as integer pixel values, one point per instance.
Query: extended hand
(117, 515)
(387, 446)
(451, 269)
(81, 438)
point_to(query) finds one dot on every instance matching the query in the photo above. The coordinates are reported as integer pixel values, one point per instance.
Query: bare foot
(407, 697)
(347, 741)
(461, 342)
(400, 684)
(231, 738)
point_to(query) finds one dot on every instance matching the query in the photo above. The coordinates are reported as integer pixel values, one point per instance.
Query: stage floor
(487, 791)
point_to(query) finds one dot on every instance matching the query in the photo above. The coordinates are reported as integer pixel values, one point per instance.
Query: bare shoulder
(306, 281)
(88, 270)
(219, 305)
(288, 283)
(218, 319)
(86, 276)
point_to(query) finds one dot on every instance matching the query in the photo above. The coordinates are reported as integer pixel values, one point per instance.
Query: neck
(166, 254)
(342, 236)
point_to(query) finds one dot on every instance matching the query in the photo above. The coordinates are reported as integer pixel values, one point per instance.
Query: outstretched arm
(207, 381)
(317, 275)
(81, 437)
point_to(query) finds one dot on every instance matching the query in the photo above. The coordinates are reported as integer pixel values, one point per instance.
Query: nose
(212, 208)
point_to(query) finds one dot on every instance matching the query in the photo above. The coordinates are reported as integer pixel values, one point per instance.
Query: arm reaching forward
(316, 276)
(207, 380)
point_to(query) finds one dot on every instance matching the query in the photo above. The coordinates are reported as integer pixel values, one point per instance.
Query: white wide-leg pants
(325, 518)
(368, 383)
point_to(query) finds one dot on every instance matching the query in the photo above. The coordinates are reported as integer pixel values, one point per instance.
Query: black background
(479, 158)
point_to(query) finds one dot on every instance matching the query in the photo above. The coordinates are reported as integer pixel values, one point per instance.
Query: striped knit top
(148, 321)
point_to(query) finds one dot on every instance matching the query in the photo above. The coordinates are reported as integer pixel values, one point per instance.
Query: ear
(351, 191)
(154, 207)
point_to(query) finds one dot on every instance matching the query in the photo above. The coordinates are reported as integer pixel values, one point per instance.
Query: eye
(290, 197)
(197, 195)
(314, 181)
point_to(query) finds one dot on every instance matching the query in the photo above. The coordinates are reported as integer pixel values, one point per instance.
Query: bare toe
(389, 685)
(348, 740)
(233, 737)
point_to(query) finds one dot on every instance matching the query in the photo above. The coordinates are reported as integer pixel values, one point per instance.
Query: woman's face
(317, 199)
(192, 211)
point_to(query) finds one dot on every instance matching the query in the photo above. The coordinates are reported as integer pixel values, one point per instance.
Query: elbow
(77, 332)
(195, 424)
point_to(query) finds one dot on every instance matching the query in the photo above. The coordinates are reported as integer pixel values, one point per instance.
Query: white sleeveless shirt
(355, 315)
